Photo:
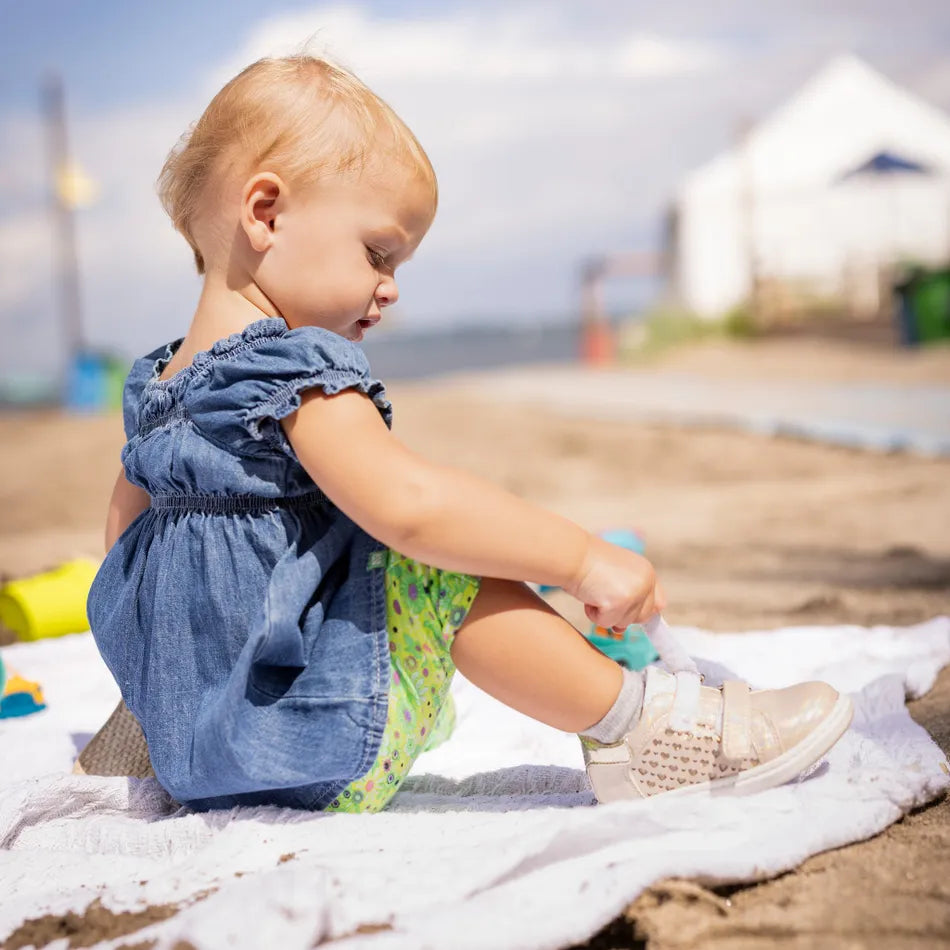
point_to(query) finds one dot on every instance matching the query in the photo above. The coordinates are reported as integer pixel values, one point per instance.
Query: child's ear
(262, 199)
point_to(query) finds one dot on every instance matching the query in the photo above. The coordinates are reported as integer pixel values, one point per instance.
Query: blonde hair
(277, 112)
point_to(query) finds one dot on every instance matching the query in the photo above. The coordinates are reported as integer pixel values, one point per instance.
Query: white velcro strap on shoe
(670, 650)
(685, 702)
(736, 724)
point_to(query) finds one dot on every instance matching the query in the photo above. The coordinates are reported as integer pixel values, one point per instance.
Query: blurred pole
(598, 338)
(747, 215)
(66, 261)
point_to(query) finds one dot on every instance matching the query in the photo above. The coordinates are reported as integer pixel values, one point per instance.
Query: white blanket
(494, 840)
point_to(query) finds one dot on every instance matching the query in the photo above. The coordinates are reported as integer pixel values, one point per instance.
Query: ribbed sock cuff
(623, 715)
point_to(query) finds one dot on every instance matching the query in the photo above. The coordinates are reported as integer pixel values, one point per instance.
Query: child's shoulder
(143, 369)
(236, 390)
(262, 347)
(269, 347)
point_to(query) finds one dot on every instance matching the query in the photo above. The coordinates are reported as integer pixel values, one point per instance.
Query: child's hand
(617, 587)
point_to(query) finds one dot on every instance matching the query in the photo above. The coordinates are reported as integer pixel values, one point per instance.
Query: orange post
(598, 343)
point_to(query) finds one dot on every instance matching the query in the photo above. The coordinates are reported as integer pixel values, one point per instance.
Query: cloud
(26, 245)
(514, 43)
(132, 264)
(531, 127)
(643, 56)
(528, 124)
(557, 132)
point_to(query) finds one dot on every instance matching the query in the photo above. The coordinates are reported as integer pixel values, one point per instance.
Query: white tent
(798, 202)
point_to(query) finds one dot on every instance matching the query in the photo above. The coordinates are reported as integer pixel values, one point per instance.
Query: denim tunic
(242, 614)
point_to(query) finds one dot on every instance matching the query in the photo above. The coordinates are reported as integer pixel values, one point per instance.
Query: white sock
(623, 715)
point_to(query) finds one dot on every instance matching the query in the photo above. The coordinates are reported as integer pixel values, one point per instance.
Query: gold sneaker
(692, 738)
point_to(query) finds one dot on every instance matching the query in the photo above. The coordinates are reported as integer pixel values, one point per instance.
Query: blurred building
(816, 204)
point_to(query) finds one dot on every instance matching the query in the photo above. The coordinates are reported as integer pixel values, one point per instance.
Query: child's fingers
(647, 609)
(608, 619)
(618, 620)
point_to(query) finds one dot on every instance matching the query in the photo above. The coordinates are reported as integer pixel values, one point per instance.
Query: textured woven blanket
(494, 841)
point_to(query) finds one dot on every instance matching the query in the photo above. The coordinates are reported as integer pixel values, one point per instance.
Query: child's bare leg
(518, 649)
(515, 647)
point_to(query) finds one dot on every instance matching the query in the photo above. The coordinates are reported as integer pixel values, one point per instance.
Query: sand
(746, 532)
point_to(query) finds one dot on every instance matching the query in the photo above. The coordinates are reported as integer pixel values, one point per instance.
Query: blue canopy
(887, 163)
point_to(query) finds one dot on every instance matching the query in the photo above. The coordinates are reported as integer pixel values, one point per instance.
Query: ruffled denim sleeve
(245, 394)
(135, 382)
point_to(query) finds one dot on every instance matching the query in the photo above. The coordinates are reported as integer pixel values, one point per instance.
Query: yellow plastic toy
(49, 604)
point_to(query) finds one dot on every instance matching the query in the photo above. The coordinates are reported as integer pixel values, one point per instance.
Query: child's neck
(221, 311)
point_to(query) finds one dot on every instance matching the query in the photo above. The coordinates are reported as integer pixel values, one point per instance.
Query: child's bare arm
(127, 503)
(431, 512)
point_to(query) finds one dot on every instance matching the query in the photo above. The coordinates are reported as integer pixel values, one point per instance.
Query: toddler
(288, 589)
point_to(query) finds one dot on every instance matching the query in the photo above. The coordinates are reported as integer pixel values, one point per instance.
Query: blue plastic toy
(18, 696)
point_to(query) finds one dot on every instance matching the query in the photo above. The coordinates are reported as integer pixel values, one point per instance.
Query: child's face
(333, 250)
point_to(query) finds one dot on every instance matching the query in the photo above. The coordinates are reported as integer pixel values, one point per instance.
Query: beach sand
(746, 532)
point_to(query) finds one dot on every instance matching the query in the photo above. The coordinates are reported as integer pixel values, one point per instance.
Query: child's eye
(376, 259)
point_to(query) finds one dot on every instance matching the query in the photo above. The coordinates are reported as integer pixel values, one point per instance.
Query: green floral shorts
(425, 607)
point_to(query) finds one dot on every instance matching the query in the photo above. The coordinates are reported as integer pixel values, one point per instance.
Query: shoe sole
(783, 768)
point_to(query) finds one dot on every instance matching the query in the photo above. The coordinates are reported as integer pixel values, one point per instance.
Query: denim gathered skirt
(242, 614)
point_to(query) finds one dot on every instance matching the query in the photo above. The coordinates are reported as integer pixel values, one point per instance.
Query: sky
(558, 131)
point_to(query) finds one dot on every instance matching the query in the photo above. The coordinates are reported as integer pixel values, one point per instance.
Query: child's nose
(387, 293)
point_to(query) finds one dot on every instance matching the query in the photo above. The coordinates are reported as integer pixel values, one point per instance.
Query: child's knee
(497, 595)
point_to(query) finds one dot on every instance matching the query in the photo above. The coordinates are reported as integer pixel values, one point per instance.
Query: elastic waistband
(228, 504)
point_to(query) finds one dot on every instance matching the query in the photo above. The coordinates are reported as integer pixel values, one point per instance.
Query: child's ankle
(623, 714)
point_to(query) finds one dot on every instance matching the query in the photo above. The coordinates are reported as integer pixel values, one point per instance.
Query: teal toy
(631, 649)
(622, 537)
